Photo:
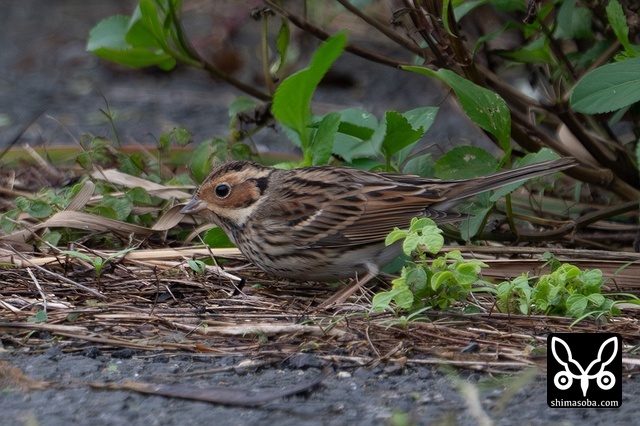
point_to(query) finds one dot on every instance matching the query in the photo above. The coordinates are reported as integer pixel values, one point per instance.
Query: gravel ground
(356, 396)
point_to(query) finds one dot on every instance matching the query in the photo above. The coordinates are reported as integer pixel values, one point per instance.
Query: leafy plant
(39, 317)
(197, 266)
(446, 281)
(153, 35)
(350, 134)
(40, 206)
(431, 36)
(566, 291)
(97, 262)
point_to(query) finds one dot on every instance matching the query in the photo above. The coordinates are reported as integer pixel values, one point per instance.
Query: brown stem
(323, 35)
(462, 56)
(531, 138)
(426, 30)
(383, 28)
(588, 219)
(557, 50)
(610, 155)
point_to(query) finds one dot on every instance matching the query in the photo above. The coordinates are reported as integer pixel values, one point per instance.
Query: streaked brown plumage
(326, 223)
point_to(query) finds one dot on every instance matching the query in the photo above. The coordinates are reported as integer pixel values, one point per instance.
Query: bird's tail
(461, 191)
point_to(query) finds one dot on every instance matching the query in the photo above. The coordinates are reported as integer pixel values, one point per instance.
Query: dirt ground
(346, 396)
(49, 79)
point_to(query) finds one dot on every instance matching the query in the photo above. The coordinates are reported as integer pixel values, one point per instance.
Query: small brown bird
(327, 223)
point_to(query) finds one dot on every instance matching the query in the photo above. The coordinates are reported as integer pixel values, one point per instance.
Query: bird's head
(231, 192)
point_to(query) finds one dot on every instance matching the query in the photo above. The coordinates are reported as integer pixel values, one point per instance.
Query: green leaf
(536, 51)
(7, 221)
(121, 206)
(597, 299)
(21, 203)
(79, 255)
(84, 160)
(421, 165)
(104, 211)
(395, 235)
(576, 305)
(140, 31)
(566, 273)
(52, 237)
(282, 45)
(398, 133)
(432, 240)
(466, 273)
(351, 148)
(321, 145)
(509, 5)
(118, 254)
(421, 118)
(416, 279)
(108, 41)
(608, 88)
(241, 104)
(132, 164)
(179, 135)
(467, 6)
(357, 123)
(39, 209)
(441, 278)
(292, 100)
(445, 15)
(353, 140)
(139, 196)
(410, 243)
(109, 33)
(573, 22)
(201, 160)
(420, 224)
(382, 301)
(465, 162)
(198, 266)
(486, 108)
(39, 317)
(618, 22)
(404, 299)
(215, 237)
(592, 279)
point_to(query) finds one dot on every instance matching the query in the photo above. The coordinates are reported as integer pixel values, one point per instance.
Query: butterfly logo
(564, 379)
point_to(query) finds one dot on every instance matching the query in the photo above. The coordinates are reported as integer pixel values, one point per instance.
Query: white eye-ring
(223, 190)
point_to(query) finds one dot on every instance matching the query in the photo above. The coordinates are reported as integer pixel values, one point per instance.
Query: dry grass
(159, 304)
(151, 301)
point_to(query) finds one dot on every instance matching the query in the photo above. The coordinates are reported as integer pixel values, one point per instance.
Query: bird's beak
(194, 206)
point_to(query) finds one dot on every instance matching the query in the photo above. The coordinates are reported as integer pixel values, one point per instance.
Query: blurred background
(52, 90)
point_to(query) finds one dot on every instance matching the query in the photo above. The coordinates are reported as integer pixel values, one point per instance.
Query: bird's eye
(222, 190)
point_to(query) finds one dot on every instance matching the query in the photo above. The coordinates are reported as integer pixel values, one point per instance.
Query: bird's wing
(333, 207)
(387, 207)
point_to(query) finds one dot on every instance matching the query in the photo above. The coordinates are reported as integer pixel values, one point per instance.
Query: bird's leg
(357, 283)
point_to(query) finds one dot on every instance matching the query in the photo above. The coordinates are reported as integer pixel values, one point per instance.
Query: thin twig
(60, 277)
(37, 284)
(323, 35)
